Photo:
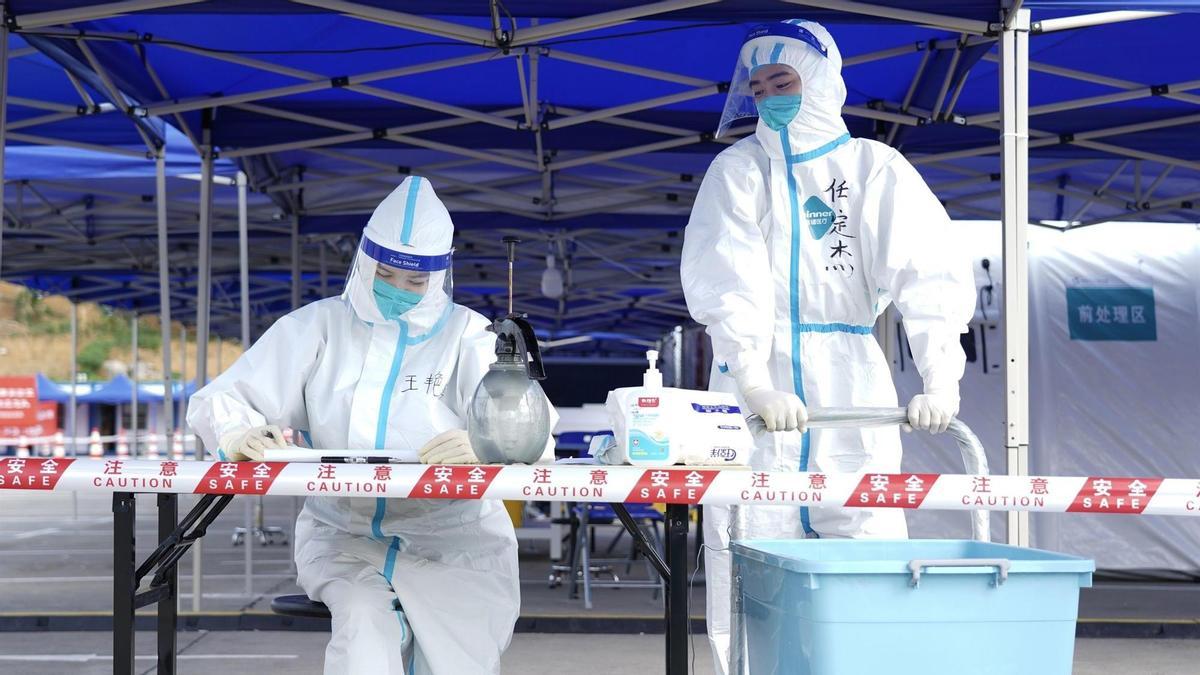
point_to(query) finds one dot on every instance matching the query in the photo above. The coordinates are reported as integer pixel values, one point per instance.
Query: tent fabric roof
(118, 391)
(49, 391)
(328, 149)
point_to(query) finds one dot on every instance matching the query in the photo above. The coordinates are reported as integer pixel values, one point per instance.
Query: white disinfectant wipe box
(665, 426)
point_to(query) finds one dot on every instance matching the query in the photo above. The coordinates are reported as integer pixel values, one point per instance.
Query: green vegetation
(30, 310)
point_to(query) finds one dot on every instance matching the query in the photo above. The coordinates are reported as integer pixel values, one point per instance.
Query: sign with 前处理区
(1118, 313)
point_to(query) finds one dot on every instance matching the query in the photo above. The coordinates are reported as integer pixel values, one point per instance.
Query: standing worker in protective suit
(414, 586)
(799, 238)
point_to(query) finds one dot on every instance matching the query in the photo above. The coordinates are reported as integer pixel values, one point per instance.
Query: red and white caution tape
(680, 485)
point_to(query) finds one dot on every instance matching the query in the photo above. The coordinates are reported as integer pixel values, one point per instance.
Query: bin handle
(973, 456)
(1001, 564)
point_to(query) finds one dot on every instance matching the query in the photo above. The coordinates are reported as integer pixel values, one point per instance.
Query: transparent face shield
(400, 281)
(759, 73)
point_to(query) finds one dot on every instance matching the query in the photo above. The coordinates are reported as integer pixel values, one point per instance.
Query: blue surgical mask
(778, 111)
(392, 301)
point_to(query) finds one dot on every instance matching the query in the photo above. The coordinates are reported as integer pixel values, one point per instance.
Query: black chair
(299, 605)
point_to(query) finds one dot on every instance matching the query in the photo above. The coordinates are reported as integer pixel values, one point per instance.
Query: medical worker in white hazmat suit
(799, 238)
(414, 586)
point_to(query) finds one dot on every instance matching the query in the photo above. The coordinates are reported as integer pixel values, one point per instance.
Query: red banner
(46, 424)
(18, 401)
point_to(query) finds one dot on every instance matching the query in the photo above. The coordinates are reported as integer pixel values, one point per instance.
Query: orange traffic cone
(122, 445)
(95, 450)
(177, 446)
(22, 447)
(60, 447)
(152, 446)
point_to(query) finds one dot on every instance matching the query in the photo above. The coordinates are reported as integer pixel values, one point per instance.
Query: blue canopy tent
(326, 112)
(50, 392)
(583, 126)
(118, 391)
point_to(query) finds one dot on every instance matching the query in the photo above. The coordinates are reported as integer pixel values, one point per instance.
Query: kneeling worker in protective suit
(414, 586)
(799, 238)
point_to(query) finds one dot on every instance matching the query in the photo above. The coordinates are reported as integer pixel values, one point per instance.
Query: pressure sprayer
(509, 419)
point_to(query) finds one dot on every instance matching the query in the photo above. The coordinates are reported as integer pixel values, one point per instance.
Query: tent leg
(164, 295)
(3, 115)
(203, 291)
(133, 408)
(1014, 96)
(244, 288)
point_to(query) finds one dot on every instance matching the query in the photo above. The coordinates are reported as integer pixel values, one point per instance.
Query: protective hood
(410, 230)
(810, 50)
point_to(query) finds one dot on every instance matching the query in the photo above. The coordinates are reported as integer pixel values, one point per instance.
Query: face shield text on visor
(759, 69)
(401, 281)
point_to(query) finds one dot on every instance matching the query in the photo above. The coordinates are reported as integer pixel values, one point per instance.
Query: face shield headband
(740, 103)
(406, 261)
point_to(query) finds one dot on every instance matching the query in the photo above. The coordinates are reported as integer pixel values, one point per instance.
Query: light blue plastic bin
(856, 607)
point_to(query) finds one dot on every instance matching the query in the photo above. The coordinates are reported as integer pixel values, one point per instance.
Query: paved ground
(56, 556)
(268, 653)
(56, 559)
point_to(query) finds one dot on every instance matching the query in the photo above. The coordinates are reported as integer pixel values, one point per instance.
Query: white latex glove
(450, 447)
(931, 412)
(780, 410)
(249, 444)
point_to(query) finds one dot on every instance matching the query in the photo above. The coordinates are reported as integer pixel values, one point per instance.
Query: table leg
(677, 616)
(168, 607)
(124, 506)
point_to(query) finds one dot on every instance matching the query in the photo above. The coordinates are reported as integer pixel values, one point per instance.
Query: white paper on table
(294, 454)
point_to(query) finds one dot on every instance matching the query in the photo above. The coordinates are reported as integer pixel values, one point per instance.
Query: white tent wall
(1098, 407)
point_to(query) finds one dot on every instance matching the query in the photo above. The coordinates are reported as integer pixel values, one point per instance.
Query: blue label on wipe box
(720, 408)
(643, 447)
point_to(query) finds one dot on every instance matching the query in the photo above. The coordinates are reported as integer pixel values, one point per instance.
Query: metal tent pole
(295, 261)
(133, 404)
(3, 114)
(204, 271)
(71, 402)
(244, 289)
(168, 505)
(1014, 96)
(181, 419)
(164, 296)
(203, 291)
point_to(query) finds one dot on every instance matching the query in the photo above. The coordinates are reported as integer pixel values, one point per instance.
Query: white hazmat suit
(414, 586)
(798, 240)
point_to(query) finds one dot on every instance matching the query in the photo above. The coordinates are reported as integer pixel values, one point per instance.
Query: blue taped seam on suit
(414, 188)
(389, 563)
(794, 302)
(835, 328)
(776, 51)
(797, 326)
(817, 152)
(385, 404)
